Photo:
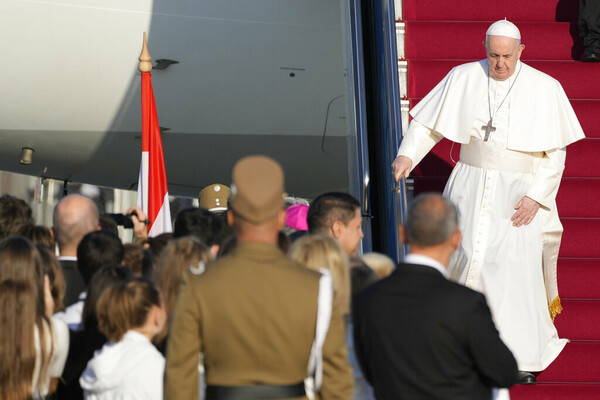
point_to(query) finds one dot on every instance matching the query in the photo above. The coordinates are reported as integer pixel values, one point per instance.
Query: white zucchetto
(504, 28)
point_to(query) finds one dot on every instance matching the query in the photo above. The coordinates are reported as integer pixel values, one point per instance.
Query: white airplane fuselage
(264, 76)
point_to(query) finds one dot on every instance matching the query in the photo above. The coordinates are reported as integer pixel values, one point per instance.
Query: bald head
(74, 217)
(431, 220)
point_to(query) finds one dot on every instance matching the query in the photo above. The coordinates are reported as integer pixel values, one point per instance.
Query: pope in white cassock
(513, 124)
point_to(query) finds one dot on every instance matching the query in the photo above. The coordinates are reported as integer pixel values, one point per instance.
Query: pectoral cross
(488, 128)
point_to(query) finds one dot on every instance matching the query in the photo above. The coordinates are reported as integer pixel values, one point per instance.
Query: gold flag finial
(145, 64)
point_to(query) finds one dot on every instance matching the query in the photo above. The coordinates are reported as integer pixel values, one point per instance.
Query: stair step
(579, 278)
(491, 10)
(586, 86)
(577, 197)
(555, 391)
(587, 113)
(578, 362)
(580, 238)
(465, 41)
(579, 320)
(583, 159)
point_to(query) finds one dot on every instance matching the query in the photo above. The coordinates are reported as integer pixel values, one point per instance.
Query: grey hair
(431, 220)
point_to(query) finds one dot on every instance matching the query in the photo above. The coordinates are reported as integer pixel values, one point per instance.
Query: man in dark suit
(95, 250)
(421, 336)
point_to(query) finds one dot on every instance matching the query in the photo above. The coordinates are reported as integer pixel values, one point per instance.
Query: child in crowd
(130, 315)
(86, 342)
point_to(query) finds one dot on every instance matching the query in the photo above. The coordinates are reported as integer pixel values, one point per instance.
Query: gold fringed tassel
(555, 308)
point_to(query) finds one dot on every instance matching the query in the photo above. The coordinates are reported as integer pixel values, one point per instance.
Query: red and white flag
(152, 195)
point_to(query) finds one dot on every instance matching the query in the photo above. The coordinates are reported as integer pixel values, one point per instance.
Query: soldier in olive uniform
(263, 322)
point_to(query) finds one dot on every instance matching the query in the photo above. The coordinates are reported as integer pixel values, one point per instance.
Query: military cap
(257, 192)
(214, 197)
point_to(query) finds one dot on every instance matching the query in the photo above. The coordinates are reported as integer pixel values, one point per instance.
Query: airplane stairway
(439, 35)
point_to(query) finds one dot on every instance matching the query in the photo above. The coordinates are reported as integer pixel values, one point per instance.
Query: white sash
(490, 155)
(314, 378)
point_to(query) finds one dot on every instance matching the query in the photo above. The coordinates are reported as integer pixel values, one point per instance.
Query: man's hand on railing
(401, 167)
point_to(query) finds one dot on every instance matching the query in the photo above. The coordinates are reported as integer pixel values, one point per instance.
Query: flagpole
(142, 194)
(153, 194)
(145, 64)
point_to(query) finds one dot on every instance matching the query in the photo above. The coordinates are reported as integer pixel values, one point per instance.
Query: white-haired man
(513, 123)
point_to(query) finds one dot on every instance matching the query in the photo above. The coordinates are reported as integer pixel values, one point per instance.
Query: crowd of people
(86, 316)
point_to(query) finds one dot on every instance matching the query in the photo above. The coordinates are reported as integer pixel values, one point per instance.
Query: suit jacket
(253, 315)
(421, 336)
(73, 280)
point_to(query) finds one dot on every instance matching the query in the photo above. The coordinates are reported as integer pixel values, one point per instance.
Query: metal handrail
(400, 199)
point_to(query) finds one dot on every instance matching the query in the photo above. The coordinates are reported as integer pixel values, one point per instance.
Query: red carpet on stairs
(581, 239)
(440, 35)
(579, 278)
(577, 363)
(580, 80)
(587, 112)
(574, 197)
(545, 40)
(491, 10)
(576, 311)
(554, 391)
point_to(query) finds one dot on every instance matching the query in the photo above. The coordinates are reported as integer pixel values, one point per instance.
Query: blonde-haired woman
(33, 347)
(179, 255)
(323, 252)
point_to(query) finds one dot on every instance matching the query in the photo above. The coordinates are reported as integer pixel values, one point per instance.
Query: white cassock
(515, 267)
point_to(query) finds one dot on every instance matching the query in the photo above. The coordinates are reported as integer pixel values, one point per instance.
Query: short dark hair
(200, 223)
(14, 213)
(97, 249)
(431, 220)
(328, 208)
